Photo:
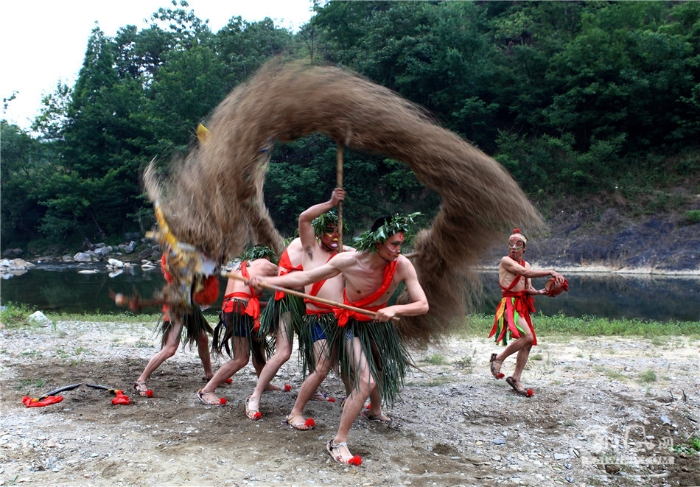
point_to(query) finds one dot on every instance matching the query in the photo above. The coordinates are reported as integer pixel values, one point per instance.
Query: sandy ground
(605, 412)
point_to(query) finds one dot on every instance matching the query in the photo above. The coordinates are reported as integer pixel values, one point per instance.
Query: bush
(14, 315)
(692, 217)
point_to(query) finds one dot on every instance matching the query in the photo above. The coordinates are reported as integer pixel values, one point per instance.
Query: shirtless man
(241, 315)
(318, 232)
(280, 317)
(513, 312)
(371, 276)
(196, 328)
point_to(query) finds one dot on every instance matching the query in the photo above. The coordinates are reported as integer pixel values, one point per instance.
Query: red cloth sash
(252, 308)
(323, 308)
(344, 315)
(523, 303)
(285, 267)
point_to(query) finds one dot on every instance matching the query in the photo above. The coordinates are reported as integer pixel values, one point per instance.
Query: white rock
(82, 257)
(40, 318)
(118, 264)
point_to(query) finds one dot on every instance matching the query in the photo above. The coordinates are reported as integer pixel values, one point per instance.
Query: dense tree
(571, 97)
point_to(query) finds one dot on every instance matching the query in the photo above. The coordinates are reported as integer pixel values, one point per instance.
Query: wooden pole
(232, 275)
(339, 176)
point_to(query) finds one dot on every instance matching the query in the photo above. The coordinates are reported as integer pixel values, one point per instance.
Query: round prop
(555, 290)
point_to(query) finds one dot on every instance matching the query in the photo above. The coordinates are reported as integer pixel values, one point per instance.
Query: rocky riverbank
(613, 411)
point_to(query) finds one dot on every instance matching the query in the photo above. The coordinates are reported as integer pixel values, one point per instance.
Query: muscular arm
(301, 278)
(419, 304)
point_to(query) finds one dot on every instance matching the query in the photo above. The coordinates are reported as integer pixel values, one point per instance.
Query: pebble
(561, 456)
(499, 441)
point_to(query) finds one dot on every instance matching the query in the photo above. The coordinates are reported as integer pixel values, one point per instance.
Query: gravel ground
(605, 412)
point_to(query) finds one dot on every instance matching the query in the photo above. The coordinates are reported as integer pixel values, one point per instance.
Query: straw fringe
(213, 199)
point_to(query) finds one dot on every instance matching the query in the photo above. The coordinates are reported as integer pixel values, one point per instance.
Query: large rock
(67, 258)
(145, 253)
(117, 264)
(15, 264)
(82, 257)
(102, 251)
(10, 253)
(39, 318)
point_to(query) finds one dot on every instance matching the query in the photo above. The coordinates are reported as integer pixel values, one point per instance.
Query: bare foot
(379, 418)
(272, 387)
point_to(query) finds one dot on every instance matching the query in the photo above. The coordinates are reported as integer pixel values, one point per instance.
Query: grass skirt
(386, 355)
(193, 323)
(271, 315)
(230, 326)
(328, 324)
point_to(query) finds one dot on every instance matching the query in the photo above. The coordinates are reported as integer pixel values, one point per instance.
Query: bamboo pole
(339, 182)
(272, 287)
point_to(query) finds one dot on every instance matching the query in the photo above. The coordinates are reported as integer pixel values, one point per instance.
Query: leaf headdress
(398, 223)
(321, 222)
(259, 252)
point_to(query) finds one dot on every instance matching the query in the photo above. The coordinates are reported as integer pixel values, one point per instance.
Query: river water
(62, 288)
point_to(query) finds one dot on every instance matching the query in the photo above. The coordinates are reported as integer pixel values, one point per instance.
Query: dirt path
(454, 424)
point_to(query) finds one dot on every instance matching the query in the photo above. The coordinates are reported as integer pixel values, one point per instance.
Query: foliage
(571, 97)
(692, 216)
(15, 315)
(397, 224)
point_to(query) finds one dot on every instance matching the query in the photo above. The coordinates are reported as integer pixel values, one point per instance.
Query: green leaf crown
(398, 223)
(323, 221)
(259, 252)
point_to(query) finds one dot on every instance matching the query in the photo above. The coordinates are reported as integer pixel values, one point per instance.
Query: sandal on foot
(333, 450)
(496, 367)
(142, 389)
(251, 408)
(380, 418)
(204, 397)
(520, 390)
(321, 397)
(306, 425)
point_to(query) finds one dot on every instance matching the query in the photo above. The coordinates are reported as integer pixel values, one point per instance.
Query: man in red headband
(369, 348)
(513, 312)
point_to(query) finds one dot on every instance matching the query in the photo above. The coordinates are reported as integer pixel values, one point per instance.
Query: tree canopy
(571, 97)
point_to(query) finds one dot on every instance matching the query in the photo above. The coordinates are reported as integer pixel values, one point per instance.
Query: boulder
(11, 253)
(67, 258)
(102, 251)
(82, 257)
(39, 318)
(99, 245)
(145, 254)
(117, 264)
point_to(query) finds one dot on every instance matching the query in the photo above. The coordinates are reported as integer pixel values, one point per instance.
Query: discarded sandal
(251, 408)
(333, 450)
(381, 418)
(205, 398)
(306, 425)
(496, 367)
(520, 390)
